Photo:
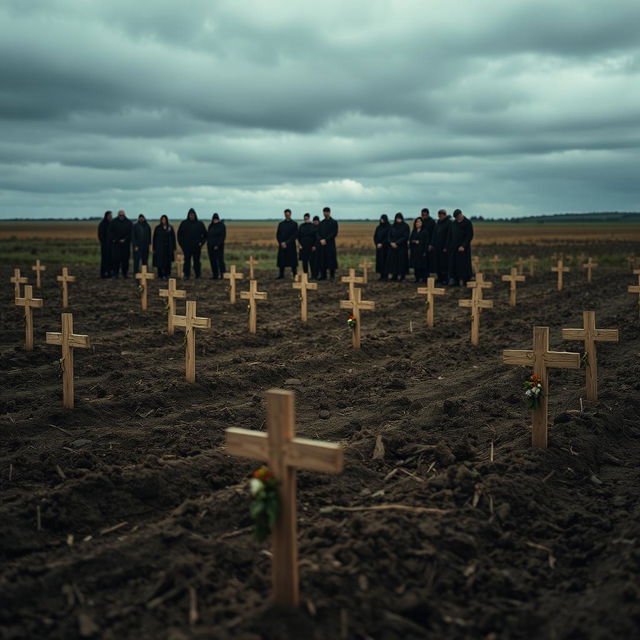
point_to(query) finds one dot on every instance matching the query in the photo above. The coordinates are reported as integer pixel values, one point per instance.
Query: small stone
(324, 414)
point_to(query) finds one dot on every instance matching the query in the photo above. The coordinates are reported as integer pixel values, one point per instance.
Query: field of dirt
(144, 525)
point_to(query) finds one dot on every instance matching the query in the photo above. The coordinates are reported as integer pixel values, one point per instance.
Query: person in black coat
(381, 243)
(460, 249)
(418, 250)
(440, 242)
(164, 247)
(398, 259)
(216, 235)
(307, 236)
(286, 235)
(327, 232)
(191, 236)
(120, 240)
(141, 239)
(429, 226)
(314, 260)
(105, 245)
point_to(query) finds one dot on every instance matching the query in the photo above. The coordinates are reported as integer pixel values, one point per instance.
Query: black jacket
(216, 234)
(191, 234)
(442, 234)
(307, 235)
(141, 234)
(120, 230)
(461, 234)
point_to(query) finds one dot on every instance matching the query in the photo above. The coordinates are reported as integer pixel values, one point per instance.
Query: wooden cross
(68, 341)
(180, 265)
(364, 265)
(479, 283)
(430, 290)
(520, 262)
(252, 262)
(476, 303)
(357, 304)
(191, 322)
(589, 265)
(284, 453)
(17, 280)
(635, 288)
(143, 276)
(252, 296)
(352, 280)
(232, 275)
(37, 267)
(304, 285)
(495, 261)
(560, 269)
(513, 279)
(532, 265)
(541, 359)
(171, 294)
(475, 261)
(65, 278)
(28, 302)
(632, 261)
(589, 334)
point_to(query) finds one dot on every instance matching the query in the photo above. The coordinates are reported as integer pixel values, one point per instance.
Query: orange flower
(263, 474)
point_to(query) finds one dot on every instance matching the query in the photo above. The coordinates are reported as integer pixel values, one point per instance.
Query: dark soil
(540, 544)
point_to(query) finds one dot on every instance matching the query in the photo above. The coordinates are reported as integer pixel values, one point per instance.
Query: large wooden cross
(476, 303)
(65, 278)
(37, 267)
(29, 303)
(589, 265)
(252, 296)
(495, 261)
(251, 262)
(284, 453)
(430, 291)
(532, 265)
(304, 285)
(191, 322)
(17, 280)
(364, 265)
(68, 341)
(540, 358)
(143, 276)
(171, 294)
(352, 279)
(232, 275)
(357, 304)
(589, 334)
(560, 269)
(513, 280)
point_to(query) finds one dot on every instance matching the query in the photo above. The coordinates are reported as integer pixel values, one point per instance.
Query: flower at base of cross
(265, 505)
(140, 288)
(351, 322)
(533, 391)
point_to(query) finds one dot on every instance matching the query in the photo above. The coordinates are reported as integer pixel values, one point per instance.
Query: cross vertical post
(304, 285)
(252, 296)
(17, 280)
(232, 275)
(143, 276)
(495, 261)
(191, 322)
(365, 265)
(560, 269)
(29, 303)
(65, 278)
(357, 304)
(589, 265)
(251, 262)
(532, 265)
(476, 303)
(37, 267)
(430, 291)
(352, 280)
(513, 280)
(171, 294)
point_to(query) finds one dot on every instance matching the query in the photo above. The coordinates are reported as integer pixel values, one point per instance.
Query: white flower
(527, 392)
(255, 486)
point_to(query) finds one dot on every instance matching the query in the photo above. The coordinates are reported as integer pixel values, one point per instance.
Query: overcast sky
(244, 107)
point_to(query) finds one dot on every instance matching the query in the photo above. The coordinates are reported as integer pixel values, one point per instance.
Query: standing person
(327, 232)
(191, 236)
(216, 235)
(120, 238)
(381, 242)
(397, 261)
(460, 249)
(307, 234)
(164, 247)
(286, 235)
(440, 243)
(429, 226)
(314, 260)
(141, 239)
(418, 250)
(105, 245)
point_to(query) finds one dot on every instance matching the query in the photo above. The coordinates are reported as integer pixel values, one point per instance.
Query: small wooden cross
(28, 302)
(475, 261)
(541, 359)
(560, 269)
(68, 341)
(171, 294)
(304, 285)
(430, 291)
(284, 453)
(232, 275)
(520, 262)
(589, 334)
(495, 261)
(37, 267)
(357, 304)
(635, 288)
(364, 265)
(144, 275)
(252, 296)
(252, 262)
(589, 265)
(191, 322)
(513, 279)
(479, 283)
(65, 278)
(532, 265)
(476, 303)
(352, 280)
(17, 280)
(179, 265)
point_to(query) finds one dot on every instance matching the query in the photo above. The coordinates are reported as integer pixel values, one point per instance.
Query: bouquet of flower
(265, 505)
(351, 322)
(533, 391)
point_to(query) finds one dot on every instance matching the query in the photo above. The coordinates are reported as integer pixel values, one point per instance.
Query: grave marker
(251, 262)
(357, 304)
(179, 265)
(252, 296)
(171, 294)
(589, 265)
(191, 322)
(513, 280)
(304, 285)
(65, 278)
(17, 280)
(475, 262)
(29, 303)
(495, 261)
(430, 291)
(532, 265)
(37, 267)
(352, 280)
(476, 303)
(232, 275)
(144, 275)
(560, 269)
(365, 265)
(520, 262)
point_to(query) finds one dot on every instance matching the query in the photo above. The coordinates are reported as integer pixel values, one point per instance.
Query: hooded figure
(440, 242)
(314, 260)
(307, 237)
(164, 247)
(216, 235)
(460, 271)
(191, 236)
(327, 232)
(141, 239)
(381, 243)
(429, 226)
(286, 235)
(418, 249)
(120, 240)
(398, 259)
(105, 247)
